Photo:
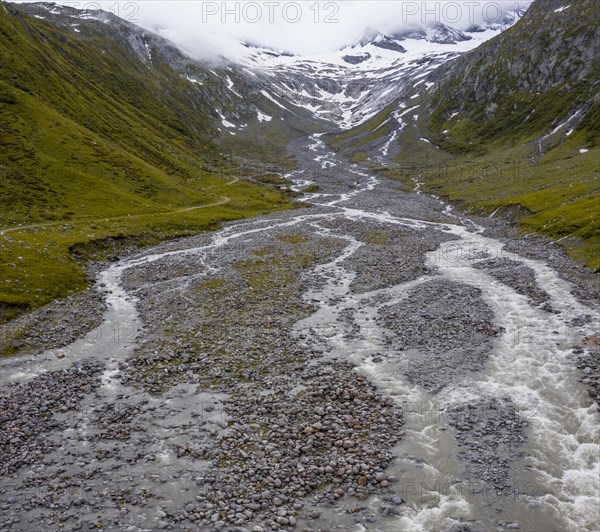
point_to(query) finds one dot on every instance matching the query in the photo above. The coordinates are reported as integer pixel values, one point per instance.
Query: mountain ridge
(497, 78)
(510, 128)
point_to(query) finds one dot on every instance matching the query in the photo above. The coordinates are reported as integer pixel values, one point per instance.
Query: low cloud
(211, 28)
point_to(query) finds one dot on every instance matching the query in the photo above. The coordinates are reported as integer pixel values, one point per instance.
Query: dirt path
(222, 201)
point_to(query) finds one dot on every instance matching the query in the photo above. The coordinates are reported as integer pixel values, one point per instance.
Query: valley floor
(374, 362)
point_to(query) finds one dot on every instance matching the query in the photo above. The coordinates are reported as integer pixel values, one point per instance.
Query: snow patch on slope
(346, 94)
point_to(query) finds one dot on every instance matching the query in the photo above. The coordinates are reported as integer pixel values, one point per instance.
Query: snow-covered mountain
(352, 84)
(255, 84)
(234, 99)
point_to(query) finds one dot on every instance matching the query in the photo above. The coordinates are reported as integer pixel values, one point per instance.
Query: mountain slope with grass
(539, 74)
(509, 129)
(109, 135)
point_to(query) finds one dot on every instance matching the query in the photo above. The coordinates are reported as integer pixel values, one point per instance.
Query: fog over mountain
(205, 29)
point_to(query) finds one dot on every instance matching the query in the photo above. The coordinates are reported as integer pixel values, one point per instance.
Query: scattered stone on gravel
(54, 325)
(518, 276)
(491, 435)
(29, 411)
(387, 257)
(585, 283)
(445, 330)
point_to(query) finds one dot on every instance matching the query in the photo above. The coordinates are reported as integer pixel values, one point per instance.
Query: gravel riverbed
(230, 401)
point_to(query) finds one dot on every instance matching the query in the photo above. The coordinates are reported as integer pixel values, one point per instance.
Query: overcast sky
(306, 26)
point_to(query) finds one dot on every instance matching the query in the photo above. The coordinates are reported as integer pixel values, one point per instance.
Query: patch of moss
(311, 189)
(292, 238)
(377, 237)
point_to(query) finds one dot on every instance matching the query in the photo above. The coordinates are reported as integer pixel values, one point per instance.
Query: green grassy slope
(557, 195)
(96, 144)
(489, 119)
(522, 83)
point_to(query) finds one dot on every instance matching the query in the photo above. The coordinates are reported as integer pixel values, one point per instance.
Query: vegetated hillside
(538, 74)
(512, 126)
(106, 131)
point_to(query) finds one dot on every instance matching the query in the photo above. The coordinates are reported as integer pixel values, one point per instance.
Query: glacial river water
(555, 483)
